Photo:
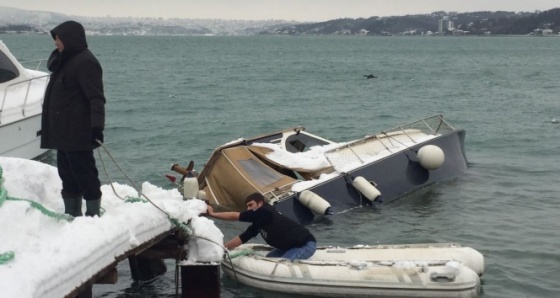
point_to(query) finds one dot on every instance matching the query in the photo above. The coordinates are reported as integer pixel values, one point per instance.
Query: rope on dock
(141, 196)
(181, 226)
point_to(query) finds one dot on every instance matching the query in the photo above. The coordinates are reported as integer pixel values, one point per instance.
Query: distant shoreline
(362, 36)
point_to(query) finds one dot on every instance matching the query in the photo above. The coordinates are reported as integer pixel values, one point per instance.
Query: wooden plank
(110, 278)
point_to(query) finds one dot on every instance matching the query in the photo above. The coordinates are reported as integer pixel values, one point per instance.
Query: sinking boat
(21, 97)
(417, 270)
(304, 175)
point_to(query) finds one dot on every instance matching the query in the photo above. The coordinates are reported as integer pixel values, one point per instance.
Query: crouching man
(290, 240)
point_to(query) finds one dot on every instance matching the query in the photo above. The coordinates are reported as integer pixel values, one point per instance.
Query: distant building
(445, 25)
(547, 32)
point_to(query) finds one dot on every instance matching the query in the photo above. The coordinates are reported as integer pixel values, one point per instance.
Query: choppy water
(174, 99)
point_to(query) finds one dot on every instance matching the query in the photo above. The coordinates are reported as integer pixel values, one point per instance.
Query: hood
(72, 35)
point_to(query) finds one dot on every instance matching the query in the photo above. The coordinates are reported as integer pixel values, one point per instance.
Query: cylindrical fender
(366, 188)
(431, 157)
(315, 203)
(190, 188)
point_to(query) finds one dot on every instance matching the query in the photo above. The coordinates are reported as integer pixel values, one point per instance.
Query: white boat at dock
(21, 98)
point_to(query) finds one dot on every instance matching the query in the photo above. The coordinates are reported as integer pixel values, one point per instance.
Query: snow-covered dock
(43, 253)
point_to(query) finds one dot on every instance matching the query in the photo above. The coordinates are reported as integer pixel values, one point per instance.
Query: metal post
(200, 280)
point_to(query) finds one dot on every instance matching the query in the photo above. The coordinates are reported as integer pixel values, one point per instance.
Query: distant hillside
(18, 21)
(473, 23)
(14, 21)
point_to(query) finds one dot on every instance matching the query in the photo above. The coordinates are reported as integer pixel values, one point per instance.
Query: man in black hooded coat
(74, 117)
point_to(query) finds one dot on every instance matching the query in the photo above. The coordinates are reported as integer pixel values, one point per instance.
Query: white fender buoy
(201, 195)
(315, 203)
(190, 188)
(430, 157)
(366, 188)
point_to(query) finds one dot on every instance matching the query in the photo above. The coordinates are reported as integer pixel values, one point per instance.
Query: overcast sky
(298, 10)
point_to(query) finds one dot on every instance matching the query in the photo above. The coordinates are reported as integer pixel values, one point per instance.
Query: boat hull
(22, 138)
(22, 92)
(368, 277)
(395, 176)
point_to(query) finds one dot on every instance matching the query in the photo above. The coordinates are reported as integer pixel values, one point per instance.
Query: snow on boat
(21, 97)
(304, 175)
(418, 270)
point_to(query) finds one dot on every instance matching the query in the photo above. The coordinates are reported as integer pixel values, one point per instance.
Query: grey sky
(299, 10)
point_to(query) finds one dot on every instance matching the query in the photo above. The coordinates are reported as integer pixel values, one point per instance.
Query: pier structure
(147, 261)
(144, 225)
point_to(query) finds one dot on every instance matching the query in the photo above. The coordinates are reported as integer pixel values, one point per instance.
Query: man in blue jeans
(290, 240)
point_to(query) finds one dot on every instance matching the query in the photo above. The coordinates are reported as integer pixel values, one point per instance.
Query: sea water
(174, 99)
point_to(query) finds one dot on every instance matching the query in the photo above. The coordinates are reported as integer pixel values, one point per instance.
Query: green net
(43, 210)
(3, 192)
(6, 257)
(134, 200)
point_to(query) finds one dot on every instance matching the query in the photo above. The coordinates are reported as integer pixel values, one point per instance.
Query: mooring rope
(140, 194)
(173, 220)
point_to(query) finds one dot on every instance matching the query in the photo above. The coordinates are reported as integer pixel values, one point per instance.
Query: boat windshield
(259, 173)
(8, 71)
(302, 142)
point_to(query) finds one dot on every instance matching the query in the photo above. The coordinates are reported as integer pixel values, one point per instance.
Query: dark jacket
(276, 229)
(74, 100)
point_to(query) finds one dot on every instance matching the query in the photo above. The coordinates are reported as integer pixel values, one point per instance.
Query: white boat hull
(21, 138)
(22, 92)
(358, 272)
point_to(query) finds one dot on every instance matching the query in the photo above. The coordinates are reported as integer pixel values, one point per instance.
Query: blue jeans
(303, 252)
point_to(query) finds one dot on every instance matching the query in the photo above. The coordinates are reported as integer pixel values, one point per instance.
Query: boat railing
(374, 147)
(39, 65)
(23, 103)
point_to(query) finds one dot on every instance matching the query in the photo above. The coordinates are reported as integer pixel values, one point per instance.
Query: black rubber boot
(93, 207)
(72, 203)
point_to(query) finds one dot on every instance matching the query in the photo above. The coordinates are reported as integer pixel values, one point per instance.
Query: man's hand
(231, 215)
(96, 134)
(209, 210)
